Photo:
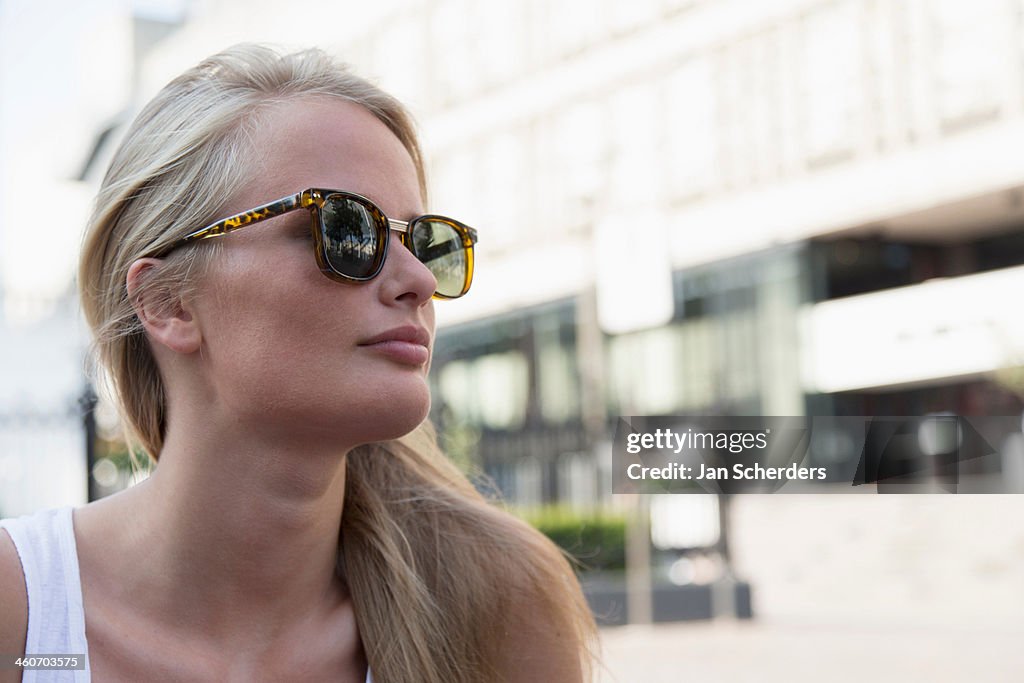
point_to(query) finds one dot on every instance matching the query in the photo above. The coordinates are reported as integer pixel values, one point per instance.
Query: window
(490, 391)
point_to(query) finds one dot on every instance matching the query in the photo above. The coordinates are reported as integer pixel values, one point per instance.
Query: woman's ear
(167, 317)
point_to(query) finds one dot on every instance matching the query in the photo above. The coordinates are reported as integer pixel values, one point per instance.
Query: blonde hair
(435, 571)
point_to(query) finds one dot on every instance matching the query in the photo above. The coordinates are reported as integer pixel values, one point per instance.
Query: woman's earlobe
(167, 318)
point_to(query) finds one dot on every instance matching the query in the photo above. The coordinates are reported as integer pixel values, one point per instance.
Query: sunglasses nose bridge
(402, 228)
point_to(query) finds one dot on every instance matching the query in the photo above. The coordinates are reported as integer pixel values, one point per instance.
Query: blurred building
(723, 207)
(59, 86)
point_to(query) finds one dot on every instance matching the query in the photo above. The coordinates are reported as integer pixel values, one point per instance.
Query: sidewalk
(761, 651)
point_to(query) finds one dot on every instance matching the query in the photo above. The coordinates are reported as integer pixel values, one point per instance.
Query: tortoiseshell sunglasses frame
(314, 199)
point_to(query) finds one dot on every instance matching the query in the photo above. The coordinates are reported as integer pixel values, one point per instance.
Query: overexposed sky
(64, 75)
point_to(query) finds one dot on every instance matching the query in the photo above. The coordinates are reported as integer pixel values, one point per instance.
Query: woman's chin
(394, 421)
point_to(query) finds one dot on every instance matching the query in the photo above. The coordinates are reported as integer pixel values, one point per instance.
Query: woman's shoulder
(13, 604)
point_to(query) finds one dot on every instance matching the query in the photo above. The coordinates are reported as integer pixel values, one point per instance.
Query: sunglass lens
(439, 245)
(351, 234)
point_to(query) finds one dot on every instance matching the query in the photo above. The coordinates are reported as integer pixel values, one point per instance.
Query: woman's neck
(235, 539)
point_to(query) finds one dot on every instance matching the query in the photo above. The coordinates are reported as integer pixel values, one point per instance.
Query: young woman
(260, 279)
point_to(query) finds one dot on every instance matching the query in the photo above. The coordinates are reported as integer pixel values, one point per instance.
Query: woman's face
(287, 351)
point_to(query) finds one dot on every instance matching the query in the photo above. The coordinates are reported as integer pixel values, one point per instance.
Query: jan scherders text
(690, 441)
(730, 454)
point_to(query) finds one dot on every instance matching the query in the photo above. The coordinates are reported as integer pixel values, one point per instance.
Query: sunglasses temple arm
(240, 220)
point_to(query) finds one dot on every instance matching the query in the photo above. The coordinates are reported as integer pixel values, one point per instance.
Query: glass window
(456, 386)
(503, 383)
(491, 390)
(697, 376)
(559, 385)
(645, 372)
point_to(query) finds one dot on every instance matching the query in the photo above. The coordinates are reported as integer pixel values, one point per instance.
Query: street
(761, 651)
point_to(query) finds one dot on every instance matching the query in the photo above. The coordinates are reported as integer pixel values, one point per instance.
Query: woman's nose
(404, 277)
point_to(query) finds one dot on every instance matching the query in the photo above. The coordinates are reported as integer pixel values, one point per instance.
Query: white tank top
(56, 621)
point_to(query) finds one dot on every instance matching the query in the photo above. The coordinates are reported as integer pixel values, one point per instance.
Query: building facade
(828, 192)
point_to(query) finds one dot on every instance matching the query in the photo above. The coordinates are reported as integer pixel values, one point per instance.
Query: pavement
(764, 651)
(866, 588)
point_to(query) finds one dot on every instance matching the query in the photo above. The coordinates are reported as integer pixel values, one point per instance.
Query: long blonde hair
(435, 571)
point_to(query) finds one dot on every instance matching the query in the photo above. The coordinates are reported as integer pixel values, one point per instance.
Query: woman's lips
(407, 344)
(406, 352)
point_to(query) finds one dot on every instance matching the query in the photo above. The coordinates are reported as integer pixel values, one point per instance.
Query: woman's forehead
(333, 144)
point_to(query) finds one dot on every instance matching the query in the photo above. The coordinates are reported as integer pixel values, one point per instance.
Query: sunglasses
(351, 235)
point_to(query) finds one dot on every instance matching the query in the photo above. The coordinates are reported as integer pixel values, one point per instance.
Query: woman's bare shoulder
(13, 605)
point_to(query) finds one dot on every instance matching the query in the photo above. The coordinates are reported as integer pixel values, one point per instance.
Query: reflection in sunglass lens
(350, 236)
(439, 246)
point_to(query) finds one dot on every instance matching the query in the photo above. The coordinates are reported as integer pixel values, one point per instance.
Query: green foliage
(596, 539)
(117, 451)
(459, 442)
